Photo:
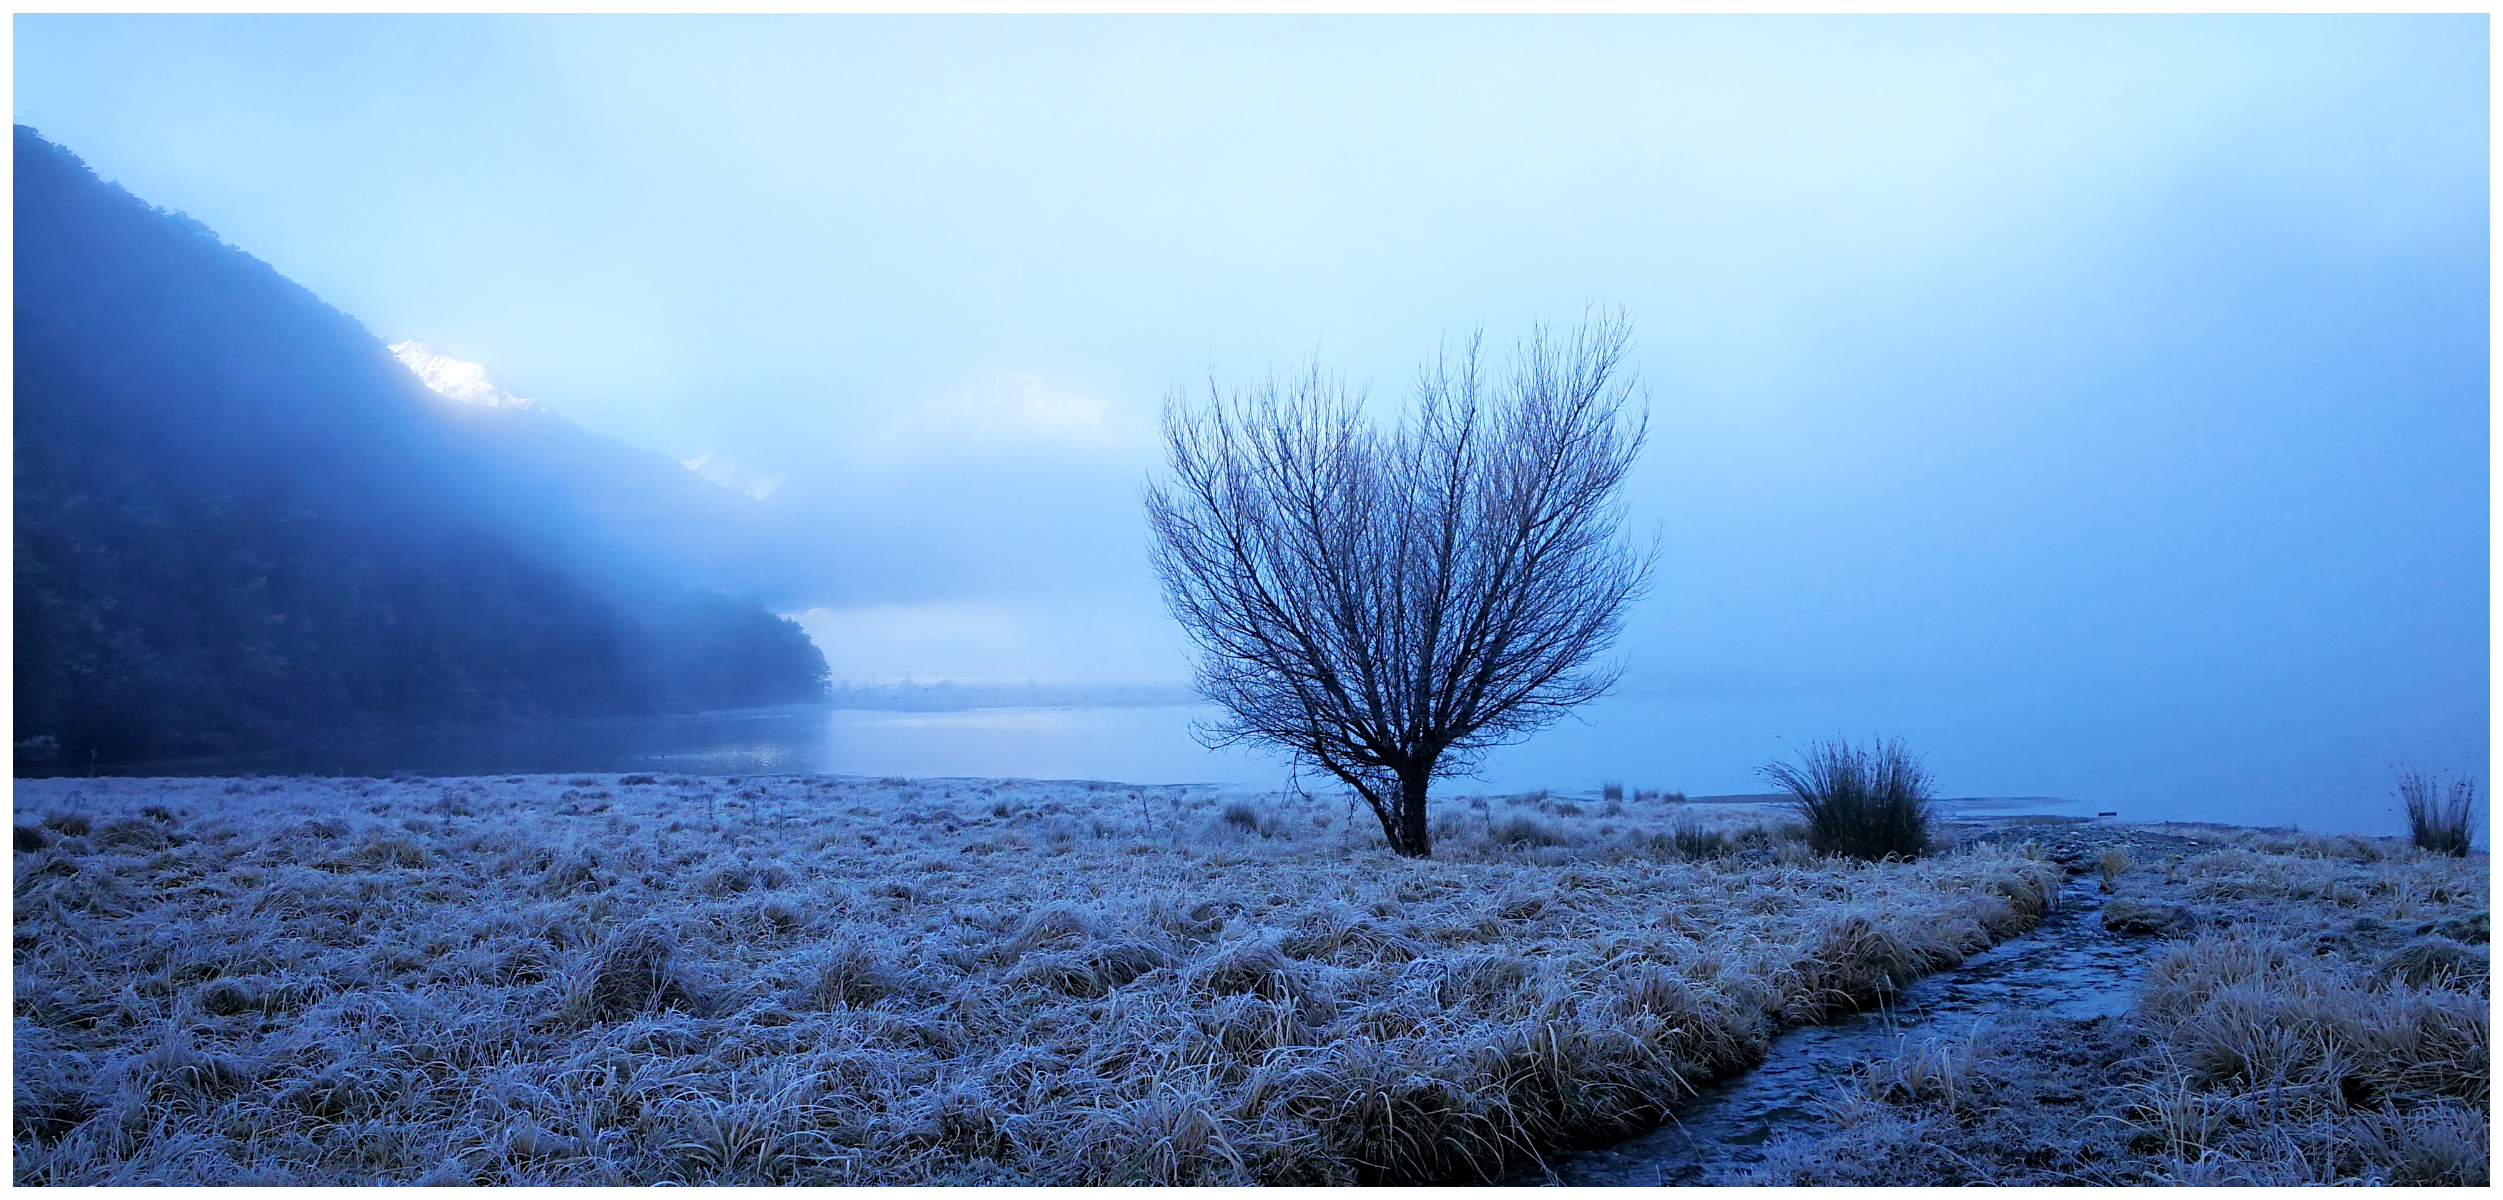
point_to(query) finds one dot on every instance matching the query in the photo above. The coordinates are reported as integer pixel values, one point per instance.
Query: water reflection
(1135, 745)
(1129, 743)
(2130, 757)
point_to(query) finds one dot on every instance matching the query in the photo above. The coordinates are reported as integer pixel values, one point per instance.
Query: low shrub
(1866, 804)
(2439, 811)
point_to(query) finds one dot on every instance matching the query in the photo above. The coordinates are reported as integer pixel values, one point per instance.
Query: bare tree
(1386, 605)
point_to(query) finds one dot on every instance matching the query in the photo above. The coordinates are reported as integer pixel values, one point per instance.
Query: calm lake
(2140, 760)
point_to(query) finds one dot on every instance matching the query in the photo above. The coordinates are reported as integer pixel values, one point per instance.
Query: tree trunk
(1412, 839)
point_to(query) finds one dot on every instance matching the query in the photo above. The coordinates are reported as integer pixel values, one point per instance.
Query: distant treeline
(240, 522)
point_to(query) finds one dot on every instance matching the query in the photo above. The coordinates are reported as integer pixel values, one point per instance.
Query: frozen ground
(636, 979)
(2291, 1010)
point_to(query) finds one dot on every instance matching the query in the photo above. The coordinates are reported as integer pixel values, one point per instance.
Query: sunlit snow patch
(733, 474)
(452, 379)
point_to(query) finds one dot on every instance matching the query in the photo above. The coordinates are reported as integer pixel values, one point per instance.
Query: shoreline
(775, 761)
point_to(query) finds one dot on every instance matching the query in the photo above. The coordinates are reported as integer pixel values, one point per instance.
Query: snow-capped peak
(452, 379)
(733, 474)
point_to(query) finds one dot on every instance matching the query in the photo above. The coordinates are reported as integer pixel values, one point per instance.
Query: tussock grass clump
(134, 833)
(1525, 831)
(1936, 1070)
(1121, 963)
(1057, 971)
(2440, 811)
(1694, 840)
(1245, 818)
(1055, 926)
(1855, 960)
(1252, 966)
(850, 973)
(69, 824)
(2112, 863)
(631, 974)
(2435, 962)
(1867, 804)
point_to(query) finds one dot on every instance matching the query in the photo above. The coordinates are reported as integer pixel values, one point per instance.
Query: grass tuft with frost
(2440, 811)
(1868, 804)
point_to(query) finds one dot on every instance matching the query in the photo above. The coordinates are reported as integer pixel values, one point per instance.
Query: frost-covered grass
(2293, 1045)
(635, 980)
(2323, 1017)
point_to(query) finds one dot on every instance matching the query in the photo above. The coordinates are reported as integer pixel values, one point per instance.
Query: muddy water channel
(2067, 966)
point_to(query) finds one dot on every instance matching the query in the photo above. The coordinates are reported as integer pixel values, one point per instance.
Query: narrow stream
(2067, 966)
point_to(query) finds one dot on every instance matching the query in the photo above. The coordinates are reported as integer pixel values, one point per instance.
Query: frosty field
(635, 979)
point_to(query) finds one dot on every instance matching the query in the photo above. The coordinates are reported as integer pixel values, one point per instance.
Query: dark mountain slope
(241, 523)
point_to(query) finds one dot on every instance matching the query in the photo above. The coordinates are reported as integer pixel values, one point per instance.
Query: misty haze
(1192, 600)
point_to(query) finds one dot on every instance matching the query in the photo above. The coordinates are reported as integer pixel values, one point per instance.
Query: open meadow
(638, 979)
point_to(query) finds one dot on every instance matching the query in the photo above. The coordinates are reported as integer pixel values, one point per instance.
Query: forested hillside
(241, 523)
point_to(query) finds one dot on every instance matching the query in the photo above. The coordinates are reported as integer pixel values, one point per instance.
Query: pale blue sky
(2112, 392)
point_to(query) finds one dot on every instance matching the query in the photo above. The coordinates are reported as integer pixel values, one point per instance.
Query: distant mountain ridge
(241, 521)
